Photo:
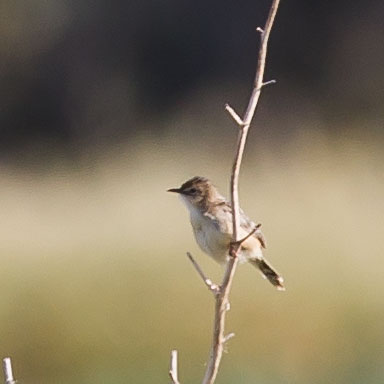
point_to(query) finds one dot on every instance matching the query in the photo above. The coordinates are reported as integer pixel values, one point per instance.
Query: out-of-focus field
(95, 287)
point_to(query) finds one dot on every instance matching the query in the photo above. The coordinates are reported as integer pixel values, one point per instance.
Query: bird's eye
(192, 190)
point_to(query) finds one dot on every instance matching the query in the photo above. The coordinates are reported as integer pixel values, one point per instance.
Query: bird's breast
(209, 237)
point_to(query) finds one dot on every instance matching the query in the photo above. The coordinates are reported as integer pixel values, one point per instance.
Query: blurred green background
(105, 106)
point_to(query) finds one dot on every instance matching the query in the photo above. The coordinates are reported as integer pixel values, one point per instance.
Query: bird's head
(198, 192)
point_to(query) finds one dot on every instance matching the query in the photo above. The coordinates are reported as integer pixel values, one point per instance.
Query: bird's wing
(222, 219)
(260, 236)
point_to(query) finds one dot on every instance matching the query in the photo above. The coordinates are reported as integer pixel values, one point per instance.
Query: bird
(211, 220)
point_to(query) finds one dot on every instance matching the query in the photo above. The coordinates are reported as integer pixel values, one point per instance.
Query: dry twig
(7, 370)
(173, 368)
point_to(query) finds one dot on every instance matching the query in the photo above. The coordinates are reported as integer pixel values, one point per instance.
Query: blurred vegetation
(82, 76)
(95, 286)
(105, 105)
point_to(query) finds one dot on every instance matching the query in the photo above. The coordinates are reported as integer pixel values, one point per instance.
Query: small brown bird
(211, 219)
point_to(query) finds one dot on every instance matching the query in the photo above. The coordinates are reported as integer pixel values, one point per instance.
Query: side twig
(234, 115)
(208, 282)
(222, 299)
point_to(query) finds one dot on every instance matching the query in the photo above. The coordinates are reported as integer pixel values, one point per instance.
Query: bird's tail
(268, 272)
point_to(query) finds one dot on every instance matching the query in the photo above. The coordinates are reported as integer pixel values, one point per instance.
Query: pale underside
(213, 232)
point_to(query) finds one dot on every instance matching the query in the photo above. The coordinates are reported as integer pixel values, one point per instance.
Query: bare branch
(208, 282)
(222, 299)
(249, 115)
(222, 292)
(173, 368)
(7, 370)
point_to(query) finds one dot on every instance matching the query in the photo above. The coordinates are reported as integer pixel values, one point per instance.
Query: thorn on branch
(261, 30)
(208, 282)
(234, 115)
(173, 368)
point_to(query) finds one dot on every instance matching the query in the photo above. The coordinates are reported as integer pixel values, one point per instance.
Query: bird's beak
(176, 190)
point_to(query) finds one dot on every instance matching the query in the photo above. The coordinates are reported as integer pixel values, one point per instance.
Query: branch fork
(238, 120)
(234, 115)
(235, 245)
